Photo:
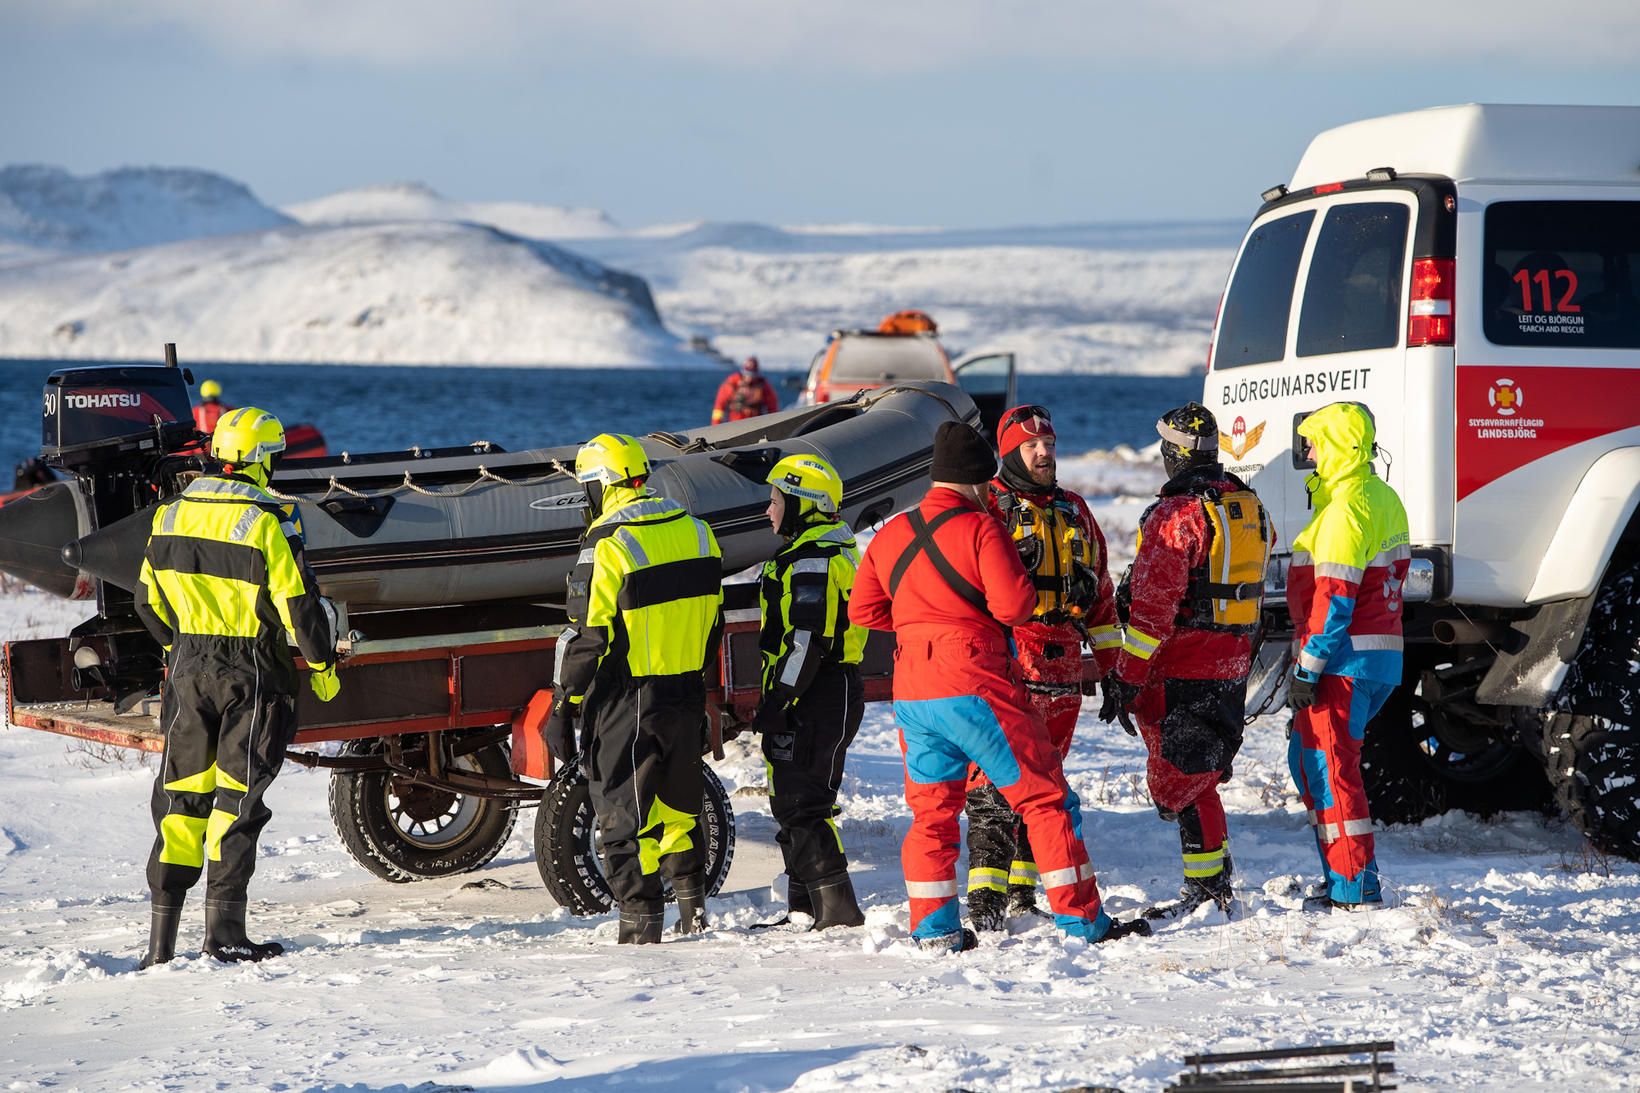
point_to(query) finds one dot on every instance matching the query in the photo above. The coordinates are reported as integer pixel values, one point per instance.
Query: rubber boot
(798, 902)
(640, 923)
(988, 909)
(691, 894)
(225, 938)
(1120, 929)
(164, 918)
(1195, 892)
(960, 942)
(834, 903)
(1022, 901)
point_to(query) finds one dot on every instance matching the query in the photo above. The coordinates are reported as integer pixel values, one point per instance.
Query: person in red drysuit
(1182, 671)
(1063, 552)
(744, 394)
(947, 580)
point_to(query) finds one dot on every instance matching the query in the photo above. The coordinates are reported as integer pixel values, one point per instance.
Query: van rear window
(1253, 327)
(871, 358)
(1352, 295)
(1562, 273)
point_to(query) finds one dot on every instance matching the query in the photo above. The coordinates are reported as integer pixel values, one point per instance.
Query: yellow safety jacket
(223, 576)
(1226, 590)
(645, 597)
(804, 595)
(1054, 549)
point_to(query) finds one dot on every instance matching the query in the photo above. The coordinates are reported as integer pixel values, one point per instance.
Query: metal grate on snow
(1357, 1076)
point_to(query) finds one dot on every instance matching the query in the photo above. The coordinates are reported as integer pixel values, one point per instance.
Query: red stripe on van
(1508, 416)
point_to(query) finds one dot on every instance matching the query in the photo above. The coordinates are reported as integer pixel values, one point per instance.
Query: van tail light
(1429, 311)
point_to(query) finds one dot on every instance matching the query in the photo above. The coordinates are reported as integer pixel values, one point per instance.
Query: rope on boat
(409, 484)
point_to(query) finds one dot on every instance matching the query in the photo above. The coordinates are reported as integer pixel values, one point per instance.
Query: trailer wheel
(403, 832)
(568, 859)
(1420, 759)
(1592, 748)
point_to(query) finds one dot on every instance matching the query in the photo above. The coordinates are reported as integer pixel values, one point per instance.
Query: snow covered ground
(1510, 959)
(113, 265)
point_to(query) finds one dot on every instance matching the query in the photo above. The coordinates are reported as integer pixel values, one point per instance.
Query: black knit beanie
(961, 455)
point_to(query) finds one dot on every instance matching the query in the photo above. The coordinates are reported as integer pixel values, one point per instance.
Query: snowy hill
(1128, 298)
(48, 209)
(419, 293)
(414, 201)
(403, 273)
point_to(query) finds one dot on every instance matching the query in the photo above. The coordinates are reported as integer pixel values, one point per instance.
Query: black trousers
(226, 731)
(806, 767)
(643, 741)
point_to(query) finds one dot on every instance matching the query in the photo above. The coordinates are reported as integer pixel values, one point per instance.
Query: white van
(1472, 275)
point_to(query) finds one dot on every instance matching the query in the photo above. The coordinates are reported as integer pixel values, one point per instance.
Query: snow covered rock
(49, 209)
(422, 292)
(415, 201)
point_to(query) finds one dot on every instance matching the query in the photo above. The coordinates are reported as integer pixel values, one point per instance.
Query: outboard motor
(123, 436)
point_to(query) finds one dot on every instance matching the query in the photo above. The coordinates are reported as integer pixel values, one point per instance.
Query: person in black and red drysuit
(1063, 552)
(945, 578)
(744, 394)
(1193, 597)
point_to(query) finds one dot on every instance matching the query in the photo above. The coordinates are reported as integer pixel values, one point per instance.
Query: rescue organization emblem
(1506, 397)
(1241, 439)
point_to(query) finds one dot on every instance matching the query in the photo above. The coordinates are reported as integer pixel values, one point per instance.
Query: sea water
(363, 408)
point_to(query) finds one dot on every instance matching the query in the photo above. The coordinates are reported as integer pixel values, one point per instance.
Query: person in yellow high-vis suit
(223, 582)
(645, 602)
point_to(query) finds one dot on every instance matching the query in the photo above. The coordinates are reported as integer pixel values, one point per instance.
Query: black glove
(771, 716)
(1301, 692)
(1119, 695)
(559, 731)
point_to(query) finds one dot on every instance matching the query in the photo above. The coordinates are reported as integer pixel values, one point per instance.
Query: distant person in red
(946, 578)
(210, 408)
(744, 394)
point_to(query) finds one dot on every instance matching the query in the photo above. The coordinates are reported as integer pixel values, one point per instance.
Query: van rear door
(1316, 312)
(989, 379)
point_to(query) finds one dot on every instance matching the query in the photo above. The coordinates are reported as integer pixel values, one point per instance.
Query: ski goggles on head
(1026, 416)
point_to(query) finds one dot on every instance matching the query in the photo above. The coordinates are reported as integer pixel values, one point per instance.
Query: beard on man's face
(1043, 470)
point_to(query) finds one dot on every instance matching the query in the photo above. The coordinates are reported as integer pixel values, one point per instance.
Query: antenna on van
(170, 354)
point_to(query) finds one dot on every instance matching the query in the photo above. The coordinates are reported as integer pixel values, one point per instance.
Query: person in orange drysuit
(948, 581)
(1063, 552)
(744, 394)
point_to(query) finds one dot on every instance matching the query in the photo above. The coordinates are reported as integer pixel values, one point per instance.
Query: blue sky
(962, 113)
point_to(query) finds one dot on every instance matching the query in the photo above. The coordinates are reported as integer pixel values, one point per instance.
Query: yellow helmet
(248, 437)
(210, 390)
(813, 481)
(613, 459)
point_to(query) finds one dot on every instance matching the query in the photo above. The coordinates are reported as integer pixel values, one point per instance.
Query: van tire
(568, 860)
(1592, 744)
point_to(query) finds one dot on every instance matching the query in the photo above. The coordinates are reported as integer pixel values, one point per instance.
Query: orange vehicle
(906, 346)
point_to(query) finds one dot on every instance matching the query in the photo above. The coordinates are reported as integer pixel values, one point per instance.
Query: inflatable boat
(454, 526)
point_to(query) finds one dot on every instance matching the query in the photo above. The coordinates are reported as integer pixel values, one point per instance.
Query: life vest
(747, 401)
(907, 322)
(1054, 549)
(1227, 593)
